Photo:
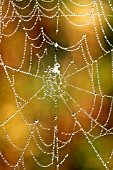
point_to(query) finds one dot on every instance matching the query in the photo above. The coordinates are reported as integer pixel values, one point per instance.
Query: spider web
(41, 79)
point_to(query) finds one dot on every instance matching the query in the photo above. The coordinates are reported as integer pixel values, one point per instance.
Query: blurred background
(19, 82)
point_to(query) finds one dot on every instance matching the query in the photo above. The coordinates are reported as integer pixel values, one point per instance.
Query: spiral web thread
(50, 87)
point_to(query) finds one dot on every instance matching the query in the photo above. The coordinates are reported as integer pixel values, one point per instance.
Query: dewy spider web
(52, 80)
